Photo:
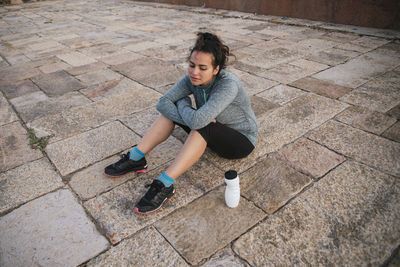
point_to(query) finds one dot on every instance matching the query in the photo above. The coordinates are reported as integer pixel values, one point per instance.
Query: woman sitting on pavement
(223, 121)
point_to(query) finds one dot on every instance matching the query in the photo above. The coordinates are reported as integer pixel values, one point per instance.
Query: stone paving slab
(332, 56)
(393, 133)
(287, 73)
(35, 105)
(86, 148)
(158, 80)
(101, 50)
(57, 83)
(12, 74)
(79, 119)
(286, 124)
(358, 70)
(53, 230)
(317, 44)
(92, 181)
(225, 257)
(54, 67)
(120, 85)
(205, 175)
(361, 30)
(381, 94)
(121, 58)
(367, 148)
(364, 44)
(141, 68)
(270, 59)
(172, 53)
(19, 88)
(320, 87)
(391, 48)
(141, 122)
(310, 158)
(367, 120)
(75, 42)
(207, 225)
(98, 77)
(281, 94)
(147, 248)
(270, 184)
(14, 147)
(261, 105)
(347, 218)
(7, 114)
(27, 182)
(114, 212)
(150, 72)
(76, 59)
(253, 84)
(90, 67)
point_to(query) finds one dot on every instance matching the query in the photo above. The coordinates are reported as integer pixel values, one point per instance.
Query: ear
(216, 70)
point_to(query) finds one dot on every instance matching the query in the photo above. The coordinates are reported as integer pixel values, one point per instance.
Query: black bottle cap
(231, 174)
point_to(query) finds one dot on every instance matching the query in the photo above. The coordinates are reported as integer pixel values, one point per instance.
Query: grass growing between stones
(5, 43)
(36, 142)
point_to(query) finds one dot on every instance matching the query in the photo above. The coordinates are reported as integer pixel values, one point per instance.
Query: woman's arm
(221, 96)
(167, 105)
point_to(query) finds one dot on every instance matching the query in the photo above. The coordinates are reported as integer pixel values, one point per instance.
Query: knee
(162, 117)
(194, 133)
(197, 135)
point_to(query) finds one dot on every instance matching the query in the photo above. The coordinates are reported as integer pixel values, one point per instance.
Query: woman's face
(201, 70)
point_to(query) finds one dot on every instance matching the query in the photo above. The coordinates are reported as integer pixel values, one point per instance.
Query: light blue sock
(165, 179)
(136, 154)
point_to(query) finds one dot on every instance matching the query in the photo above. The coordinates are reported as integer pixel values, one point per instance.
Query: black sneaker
(154, 198)
(126, 165)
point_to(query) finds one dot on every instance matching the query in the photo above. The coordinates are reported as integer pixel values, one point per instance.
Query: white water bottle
(232, 190)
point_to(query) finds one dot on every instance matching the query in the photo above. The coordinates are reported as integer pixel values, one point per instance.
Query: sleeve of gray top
(221, 96)
(167, 105)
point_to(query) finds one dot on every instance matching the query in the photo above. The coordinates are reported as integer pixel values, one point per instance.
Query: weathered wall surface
(16, 2)
(368, 13)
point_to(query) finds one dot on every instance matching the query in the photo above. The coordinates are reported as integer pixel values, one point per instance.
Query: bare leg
(190, 153)
(158, 133)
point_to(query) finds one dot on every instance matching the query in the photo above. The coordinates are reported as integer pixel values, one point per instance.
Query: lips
(194, 80)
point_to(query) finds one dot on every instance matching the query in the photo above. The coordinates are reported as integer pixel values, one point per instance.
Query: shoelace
(154, 189)
(123, 158)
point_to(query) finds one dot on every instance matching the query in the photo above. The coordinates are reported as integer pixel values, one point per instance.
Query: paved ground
(322, 187)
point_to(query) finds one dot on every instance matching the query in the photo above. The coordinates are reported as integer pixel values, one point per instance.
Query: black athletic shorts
(226, 142)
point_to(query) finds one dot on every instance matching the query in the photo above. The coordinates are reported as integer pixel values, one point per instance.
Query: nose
(195, 71)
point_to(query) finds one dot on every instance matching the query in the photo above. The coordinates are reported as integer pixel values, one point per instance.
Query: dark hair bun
(210, 43)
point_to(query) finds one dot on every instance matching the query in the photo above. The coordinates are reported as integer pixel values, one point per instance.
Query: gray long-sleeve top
(223, 99)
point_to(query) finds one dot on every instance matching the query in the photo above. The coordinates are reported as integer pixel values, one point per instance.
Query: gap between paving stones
(166, 240)
(5, 212)
(306, 188)
(249, 200)
(219, 167)
(44, 155)
(100, 229)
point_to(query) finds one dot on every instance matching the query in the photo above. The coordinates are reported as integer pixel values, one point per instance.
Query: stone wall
(16, 2)
(368, 13)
